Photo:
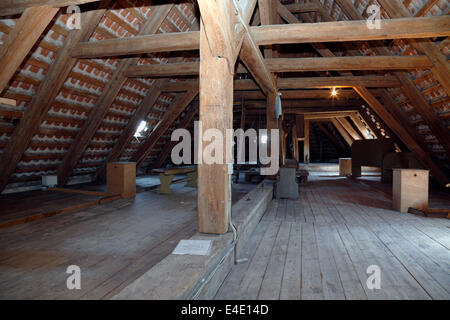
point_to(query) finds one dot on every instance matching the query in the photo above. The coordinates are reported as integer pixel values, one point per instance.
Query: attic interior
(350, 98)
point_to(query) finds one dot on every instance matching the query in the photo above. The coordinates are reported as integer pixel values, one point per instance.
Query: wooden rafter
(403, 134)
(129, 131)
(44, 97)
(105, 100)
(21, 39)
(175, 109)
(441, 69)
(427, 113)
(184, 123)
(342, 131)
(301, 83)
(337, 31)
(292, 65)
(11, 7)
(348, 127)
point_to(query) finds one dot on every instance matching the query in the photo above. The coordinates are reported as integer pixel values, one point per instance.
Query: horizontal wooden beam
(299, 83)
(293, 65)
(298, 94)
(337, 31)
(338, 82)
(348, 63)
(341, 31)
(308, 103)
(11, 7)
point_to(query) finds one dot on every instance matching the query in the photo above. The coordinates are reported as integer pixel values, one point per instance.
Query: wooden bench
(166, 178)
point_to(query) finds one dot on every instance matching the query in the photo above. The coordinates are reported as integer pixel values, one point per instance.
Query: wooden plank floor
(320, 246)
(113, 244)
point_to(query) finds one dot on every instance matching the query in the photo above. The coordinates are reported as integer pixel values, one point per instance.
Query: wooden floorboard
(320, 246)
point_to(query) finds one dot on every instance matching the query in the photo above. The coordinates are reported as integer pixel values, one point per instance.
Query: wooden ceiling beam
(300, 83)
(43, 98)
(298, 94)
(12, 7)
(437, 128)
(441, 70)
(105, 100)
(251, 56)
(293, 65)
(348, 127)
(344, 134)
(337, 31)
(403, 134)
(349, 63)
(21, 39)
(308, 103)
(338, 82)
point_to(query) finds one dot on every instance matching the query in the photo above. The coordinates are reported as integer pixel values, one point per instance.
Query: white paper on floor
(193, 247)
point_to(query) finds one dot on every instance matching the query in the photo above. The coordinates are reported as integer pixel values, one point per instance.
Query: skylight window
(141, 129)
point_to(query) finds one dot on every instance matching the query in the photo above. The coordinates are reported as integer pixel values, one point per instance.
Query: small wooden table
(166, 177)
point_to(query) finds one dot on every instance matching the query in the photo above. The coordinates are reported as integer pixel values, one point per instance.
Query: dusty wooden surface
(319, 247)
(113, 244)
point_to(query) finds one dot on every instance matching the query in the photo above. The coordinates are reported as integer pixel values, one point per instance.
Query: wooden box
(121, 178)
(345, 167)
(410, 189)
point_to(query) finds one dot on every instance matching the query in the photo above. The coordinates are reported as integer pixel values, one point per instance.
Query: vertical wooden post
(306, 143)
(216, 112)
(271, 120)
(295, 142)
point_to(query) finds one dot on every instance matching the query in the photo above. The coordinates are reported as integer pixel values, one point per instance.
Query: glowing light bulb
(334, 92)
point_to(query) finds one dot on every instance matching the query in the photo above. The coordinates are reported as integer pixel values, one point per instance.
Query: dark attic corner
(224, 150)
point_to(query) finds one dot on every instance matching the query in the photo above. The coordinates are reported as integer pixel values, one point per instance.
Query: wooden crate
(410, 189)
(345, 167)
(121, 178)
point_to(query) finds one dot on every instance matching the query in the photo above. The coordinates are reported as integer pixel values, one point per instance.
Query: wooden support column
(403, 134)
(295, 143)
(306, 153)
(21, 39)
(271, 120)
(216, 112)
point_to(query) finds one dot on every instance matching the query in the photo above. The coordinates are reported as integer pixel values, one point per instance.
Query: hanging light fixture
(333, 92)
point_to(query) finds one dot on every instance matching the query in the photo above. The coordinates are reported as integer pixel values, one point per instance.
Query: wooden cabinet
(410, 189)
(121, 178)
